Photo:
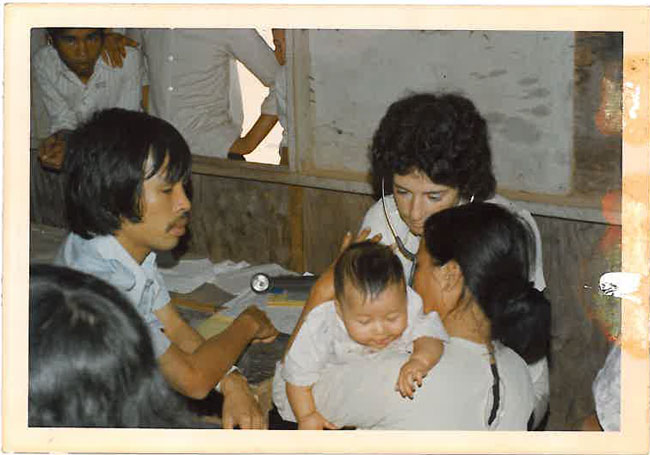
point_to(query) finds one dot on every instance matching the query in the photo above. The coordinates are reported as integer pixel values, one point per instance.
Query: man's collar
(72, 75)
(111, 248)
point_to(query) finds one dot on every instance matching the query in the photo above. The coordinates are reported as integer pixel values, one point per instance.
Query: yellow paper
(276, 300)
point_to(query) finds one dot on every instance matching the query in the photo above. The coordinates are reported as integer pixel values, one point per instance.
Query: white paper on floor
(189, 274)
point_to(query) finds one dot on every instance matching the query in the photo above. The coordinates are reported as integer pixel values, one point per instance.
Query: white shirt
(68, 101)
(455, 395)
(189, 80)
(142, 284)
(281, 102)
(607, 391)
(324, 341)
(375, 219)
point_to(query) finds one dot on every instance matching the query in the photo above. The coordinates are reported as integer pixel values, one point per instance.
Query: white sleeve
(517, 391)
(60, 114)
(541, 388)
(607, 391)
(375, 220)
(310, 350)
(537, 271)
(537, 275)
(131, 91)
(423, 325)
(280, 90)
(247, 46)
(137, 35)
(270, 104)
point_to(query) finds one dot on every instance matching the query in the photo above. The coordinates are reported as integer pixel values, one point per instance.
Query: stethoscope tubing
(400, 244)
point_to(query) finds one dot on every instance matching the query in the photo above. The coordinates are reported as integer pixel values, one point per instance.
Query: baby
(373, 311)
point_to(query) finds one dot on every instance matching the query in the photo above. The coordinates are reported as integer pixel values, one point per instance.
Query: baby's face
(374, 322)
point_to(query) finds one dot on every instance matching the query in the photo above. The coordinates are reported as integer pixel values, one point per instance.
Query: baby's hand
(411, 372)
(315, 421)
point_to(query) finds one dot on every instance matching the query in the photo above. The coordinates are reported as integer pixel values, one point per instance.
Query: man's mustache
(185, 216)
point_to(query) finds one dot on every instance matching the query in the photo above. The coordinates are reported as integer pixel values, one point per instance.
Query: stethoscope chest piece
(260, 283)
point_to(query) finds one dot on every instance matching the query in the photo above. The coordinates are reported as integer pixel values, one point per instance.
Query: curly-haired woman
(431, 152)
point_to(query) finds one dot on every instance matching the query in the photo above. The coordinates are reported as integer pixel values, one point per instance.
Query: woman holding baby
(478, 268)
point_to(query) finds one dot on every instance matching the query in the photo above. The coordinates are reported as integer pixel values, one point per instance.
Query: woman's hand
(411, 373)
(315, 421)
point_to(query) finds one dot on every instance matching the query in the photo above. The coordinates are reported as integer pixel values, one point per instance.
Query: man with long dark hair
(126, 197)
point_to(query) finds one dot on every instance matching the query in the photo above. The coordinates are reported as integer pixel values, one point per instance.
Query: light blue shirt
(142, 284)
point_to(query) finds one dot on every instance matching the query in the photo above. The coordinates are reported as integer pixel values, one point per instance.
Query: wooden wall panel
(572, 261)
(328, 215)
(240, 220)
(300, 228)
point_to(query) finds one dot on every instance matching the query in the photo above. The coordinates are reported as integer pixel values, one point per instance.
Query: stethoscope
(400, 244)
(262, 283)
(398, 241)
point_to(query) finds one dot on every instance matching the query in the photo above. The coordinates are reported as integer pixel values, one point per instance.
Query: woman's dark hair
(91, 362)
(368, 267)
(441, 135)
(492, 247)
(108, 159)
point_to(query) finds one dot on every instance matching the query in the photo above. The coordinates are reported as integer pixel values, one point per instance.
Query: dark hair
(369, 267)
(441, 135)
(55, 32)
(91, 362)
(492, 248)
(107, 160)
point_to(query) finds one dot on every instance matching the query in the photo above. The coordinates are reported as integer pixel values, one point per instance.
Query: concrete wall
(522, 82)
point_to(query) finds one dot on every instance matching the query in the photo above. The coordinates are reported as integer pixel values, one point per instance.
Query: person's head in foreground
(473, 266)
(91, 363)
(432, 152)
(127, 177)
(78, 48)
(371, 294)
